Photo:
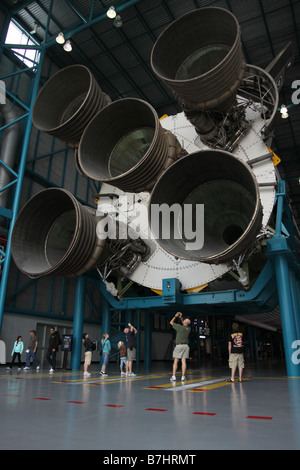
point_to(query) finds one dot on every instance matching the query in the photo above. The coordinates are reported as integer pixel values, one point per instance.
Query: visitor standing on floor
(105, 349)
(16, 352)
(89, 347)
(31, 350)
(123, 356)
(182, 349)
(236, 352)
(54, 342)
(130, 333)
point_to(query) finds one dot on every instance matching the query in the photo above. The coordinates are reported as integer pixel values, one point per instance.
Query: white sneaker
(37, 367)
(173, 378)
(182, 378)
(131, 374)
(123, 373)
(51, 370)
(86, 374)
(19, 368)
(26, 368)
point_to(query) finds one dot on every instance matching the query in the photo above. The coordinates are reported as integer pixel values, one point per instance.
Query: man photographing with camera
(130, 333)
(182, 349)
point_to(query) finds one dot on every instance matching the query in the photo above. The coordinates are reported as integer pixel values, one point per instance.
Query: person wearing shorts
(130, 333)
(182, 349)
(88, 345)
(236, 352)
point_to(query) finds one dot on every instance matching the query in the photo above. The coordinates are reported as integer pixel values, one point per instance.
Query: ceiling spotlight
(34, 30)
(60, 39)
(118, 21)
(111, 12)
(284, 112)
(67, 46)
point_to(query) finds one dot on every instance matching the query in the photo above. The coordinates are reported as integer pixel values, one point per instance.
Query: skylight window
(16, 35)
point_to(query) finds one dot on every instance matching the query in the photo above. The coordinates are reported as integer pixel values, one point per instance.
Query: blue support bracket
(171, 291)
(7, 213)
(261, 296)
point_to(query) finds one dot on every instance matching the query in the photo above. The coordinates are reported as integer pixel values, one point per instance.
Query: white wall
(15, 324)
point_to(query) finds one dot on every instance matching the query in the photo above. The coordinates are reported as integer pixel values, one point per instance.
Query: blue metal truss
(18, 175)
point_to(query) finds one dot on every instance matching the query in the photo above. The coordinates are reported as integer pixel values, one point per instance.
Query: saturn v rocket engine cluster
(213, 155)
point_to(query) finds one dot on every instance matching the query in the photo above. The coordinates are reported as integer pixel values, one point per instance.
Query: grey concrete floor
(65, 411)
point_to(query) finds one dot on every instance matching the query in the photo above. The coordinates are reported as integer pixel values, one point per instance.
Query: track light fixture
(118, 21)
(34, 30)
(284, 112)
(111, 12)
(67, 46)
(60, 39)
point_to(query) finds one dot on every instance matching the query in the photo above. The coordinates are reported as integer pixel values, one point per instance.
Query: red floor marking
(79, 402)
(207, 414)
(12, 395)
(154, 409)
(259, 417)
(199, 389)
(155, 387)
(115, 406)
(42, 398)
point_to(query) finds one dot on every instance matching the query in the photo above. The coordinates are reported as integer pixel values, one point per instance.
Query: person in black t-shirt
(88, 345)
(236, 352)
(130, 333)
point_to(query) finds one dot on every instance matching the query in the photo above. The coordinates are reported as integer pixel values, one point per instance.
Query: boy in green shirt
(181, 350)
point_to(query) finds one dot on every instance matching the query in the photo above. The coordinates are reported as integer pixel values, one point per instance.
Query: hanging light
(118, 21)
(60, 39)
(67, 46)
(111, 12)
(34, 30)
(284, 112)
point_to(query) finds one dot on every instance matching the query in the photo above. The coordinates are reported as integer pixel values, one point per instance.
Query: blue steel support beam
(280, 249)
(19, 183)
(230, 298)
(296, 301)
(287, 313)
(78, 323)
(148, 341)
(106, 317)
(138, 341)
(252, 342)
